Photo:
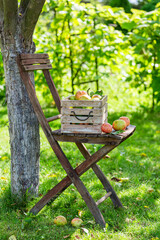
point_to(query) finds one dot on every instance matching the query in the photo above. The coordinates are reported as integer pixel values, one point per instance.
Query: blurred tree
(121, 3)
(149, 5)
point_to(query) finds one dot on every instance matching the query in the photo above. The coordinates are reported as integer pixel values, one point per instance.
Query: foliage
(99, 47)
(145, 40)
(91, 45)
(121, 3)
(150, 5)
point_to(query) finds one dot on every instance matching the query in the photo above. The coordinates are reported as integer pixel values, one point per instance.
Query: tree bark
(23, 129)
(16, 30)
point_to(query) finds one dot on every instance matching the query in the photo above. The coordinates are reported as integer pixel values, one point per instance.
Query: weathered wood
(54, 118)
(96, 120)
(102, 199)
(87, 135)
(108, 139)
(116, 201)
(96, 111)
(53, 89)
(59, 153)
(30, 55)
(34, 61)
(66, 182)
(86, 118)
(67, 128)
(106, 184)
(84, 103)
(85, 139)
(37, 67)
(73, 174)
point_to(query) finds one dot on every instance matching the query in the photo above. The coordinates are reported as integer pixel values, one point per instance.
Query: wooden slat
(106, 184)
(72, 119)
(96, 111)
(83, 103)
(34, 55)
(129, 130)
(37, 67)
(54, 118)
(102, 199)
(84, 135)
(53, 89)
(96, 140)
(71, 128)
(34, 61)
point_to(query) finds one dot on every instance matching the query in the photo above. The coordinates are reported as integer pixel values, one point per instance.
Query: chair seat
(103, 138)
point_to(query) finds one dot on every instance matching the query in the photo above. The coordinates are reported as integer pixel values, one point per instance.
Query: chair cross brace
(31, 62)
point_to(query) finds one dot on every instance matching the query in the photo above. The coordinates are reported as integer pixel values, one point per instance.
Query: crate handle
(76, 116)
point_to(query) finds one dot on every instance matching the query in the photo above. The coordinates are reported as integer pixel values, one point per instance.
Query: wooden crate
(83, 116)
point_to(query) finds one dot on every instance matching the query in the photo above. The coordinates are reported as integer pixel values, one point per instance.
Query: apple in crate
(76, 222)
(79, 94)
(60, 221)
(119, 125)
(106, 127)
(96, 97)
(85, 97)
(82, 95)
(126, 119)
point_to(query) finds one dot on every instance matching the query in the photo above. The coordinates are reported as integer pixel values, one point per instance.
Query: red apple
(79, 94)
(76, 222)
(126, 119)
(106, 127)
(60, 221)
(119, 125)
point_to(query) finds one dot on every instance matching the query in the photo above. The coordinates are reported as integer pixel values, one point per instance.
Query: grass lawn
(136, 159)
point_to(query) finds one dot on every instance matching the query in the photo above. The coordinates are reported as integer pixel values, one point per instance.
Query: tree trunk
(17, 23)
(23, 127)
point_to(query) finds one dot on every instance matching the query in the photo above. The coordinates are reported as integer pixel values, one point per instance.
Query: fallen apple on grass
(60, 221)
(119, 125)
(106, 127)
(76, 222)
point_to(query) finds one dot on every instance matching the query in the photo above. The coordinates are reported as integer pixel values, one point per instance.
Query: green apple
(76, 222)
(60, 221)
(119, 125)
(85, 97)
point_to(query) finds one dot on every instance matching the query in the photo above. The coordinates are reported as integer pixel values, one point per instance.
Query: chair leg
(66, 182)
(87, 198)
(116, 201)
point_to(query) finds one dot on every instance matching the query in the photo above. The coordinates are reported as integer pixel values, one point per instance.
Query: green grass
(137, 159)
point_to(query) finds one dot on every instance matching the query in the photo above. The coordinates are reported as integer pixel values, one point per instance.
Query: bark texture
(23, 123)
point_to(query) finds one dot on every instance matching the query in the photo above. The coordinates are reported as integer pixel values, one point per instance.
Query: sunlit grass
(136, 159)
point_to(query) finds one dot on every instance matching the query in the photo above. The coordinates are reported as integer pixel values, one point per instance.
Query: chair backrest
(31, 62)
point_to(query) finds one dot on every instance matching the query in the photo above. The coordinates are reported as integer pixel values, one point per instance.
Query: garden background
(95, 46)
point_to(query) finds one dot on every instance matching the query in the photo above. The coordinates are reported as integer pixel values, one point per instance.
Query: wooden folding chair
(31, 62)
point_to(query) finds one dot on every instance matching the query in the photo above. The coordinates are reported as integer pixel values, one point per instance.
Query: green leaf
(99, 92)
(128, 25)
(117, 132)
